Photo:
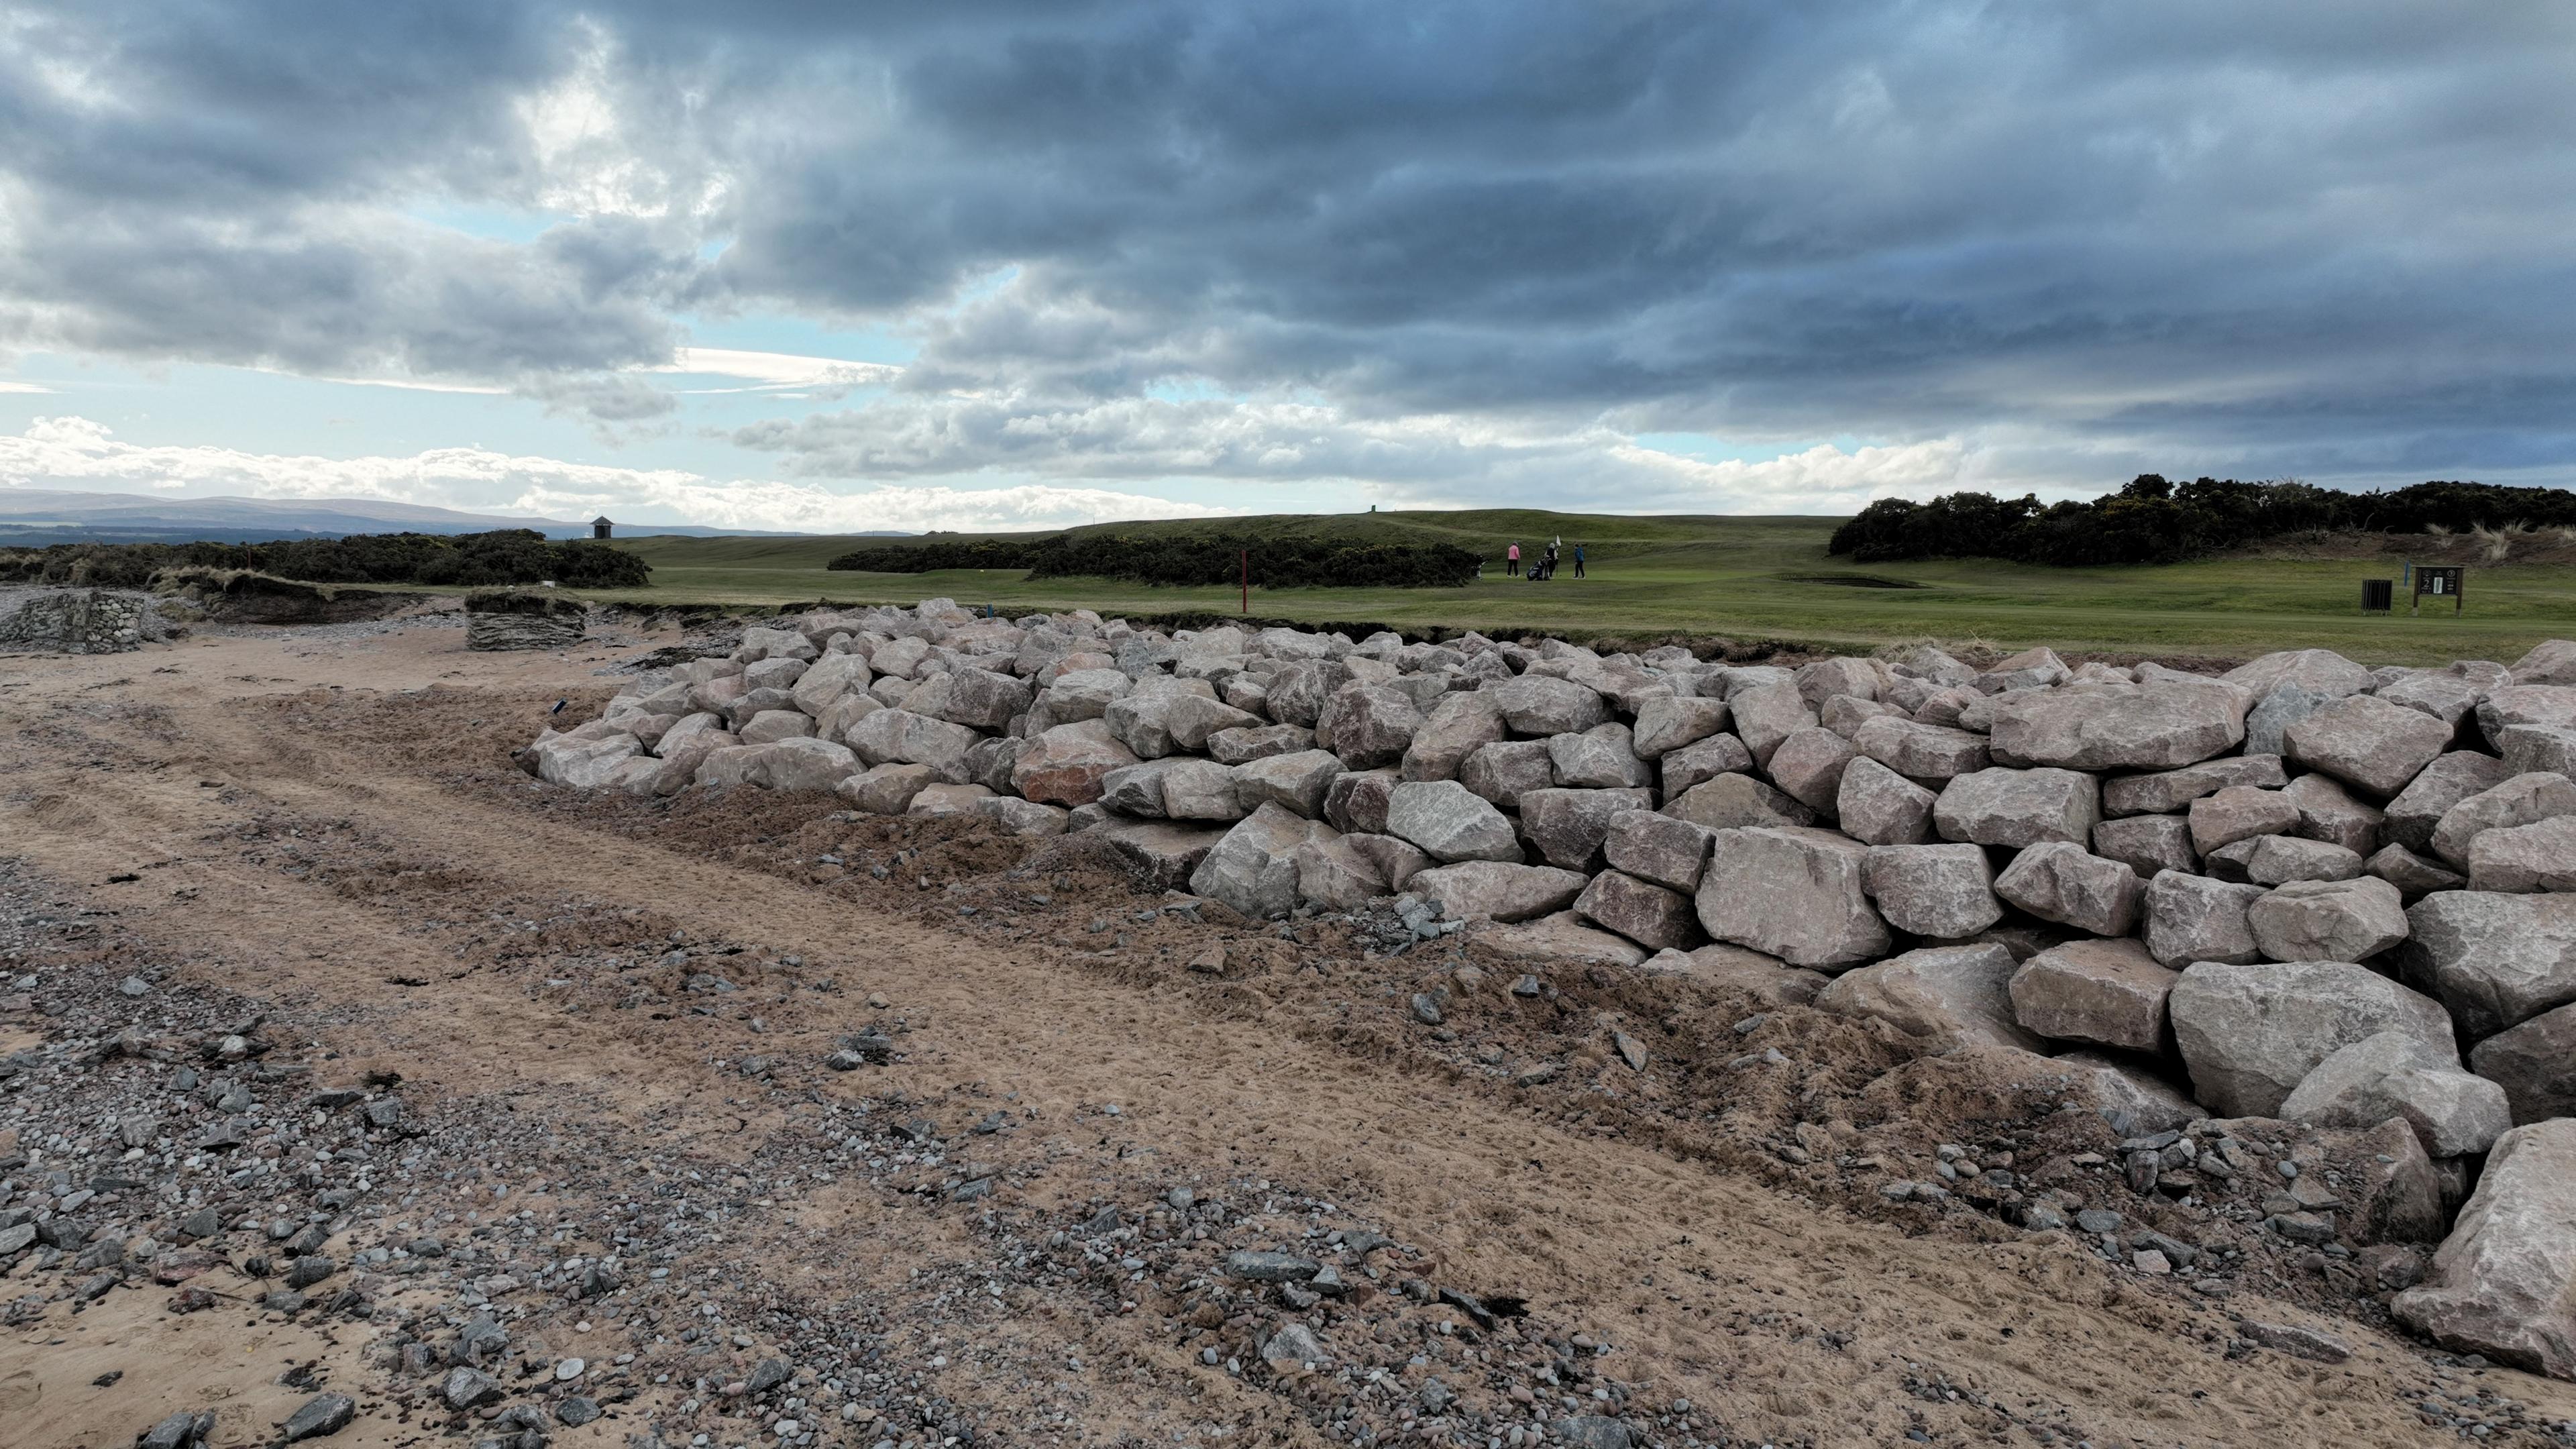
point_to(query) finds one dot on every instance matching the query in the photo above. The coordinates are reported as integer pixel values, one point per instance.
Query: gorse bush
(503, 556)
(1276, 562)
(2153, 520)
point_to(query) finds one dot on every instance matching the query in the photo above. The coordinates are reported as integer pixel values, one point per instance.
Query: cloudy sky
(844, 266)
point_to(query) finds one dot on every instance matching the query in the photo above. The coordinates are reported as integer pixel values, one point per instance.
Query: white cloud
(11, 385)
(72, 452)
(777, 369)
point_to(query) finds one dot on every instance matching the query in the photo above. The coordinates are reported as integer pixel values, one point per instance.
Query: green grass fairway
(1735, 577)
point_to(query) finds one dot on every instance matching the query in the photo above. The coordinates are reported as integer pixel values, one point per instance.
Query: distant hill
(37, 516)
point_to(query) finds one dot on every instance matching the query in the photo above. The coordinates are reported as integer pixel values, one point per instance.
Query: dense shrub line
(2153, 520)
(503, 556)
(1276, 562)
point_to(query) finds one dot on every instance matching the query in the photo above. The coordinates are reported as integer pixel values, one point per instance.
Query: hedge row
(2153, 520)
(1276, 562)
(503, 556)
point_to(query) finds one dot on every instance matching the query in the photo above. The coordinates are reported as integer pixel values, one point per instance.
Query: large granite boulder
(1568, 826)
(2504, 1283)
(2147, 844)
(2320, 671)
(827, 681)
(2535, 1063)
(2168, 791)
(1254, 867)
(1502, 773)
(1732, 802)
(2240, 812)
(1243, 745)
(1667, 724)
(1336, 875)
(1922, 751)
(2495, 960)
(984, 698)
(2395, 1074)
(1658, 848)
(1193, 719)
(1945, 892)
(2328, 920)
(1299, 782)
(886, 789)
(582, 760)
(1080, 694)
(805, 763)
(2418, 809)
(2057, 881)
(1462, 723)
(1702, 761)
(2366, 742)
(1070, 764)
(903, 737)
(2193, 918)
(2328, 812)
(1135, 789)
(1561, 942)
(2251, 1033)
(2110, 993)
(1956, 995)
(1298, 691)
(1450, 823)
(2521, 800)
(1163, 855)
(1144, 718)
(1793, 893)
(1877, 806)
(773, 725)
(2537, 747)
(1498, 890)
(2017, 808)
(1356, 800)
(1808, 767)
(2552, 661)
(1600, 758)
(2271, 860)
(1371, 726)
(2119, 726)
(2551, 706)
(1535, 705)
(2536, 857)
(1196, 789)
(2443, 695)
(1653, 916)
(1767, 714)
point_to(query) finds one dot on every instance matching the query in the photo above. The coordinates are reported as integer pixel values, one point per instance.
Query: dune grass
(1734, 577)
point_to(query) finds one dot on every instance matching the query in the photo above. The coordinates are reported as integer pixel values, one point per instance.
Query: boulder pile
(2304, 889)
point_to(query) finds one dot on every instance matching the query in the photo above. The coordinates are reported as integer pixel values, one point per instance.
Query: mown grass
(1733, 577)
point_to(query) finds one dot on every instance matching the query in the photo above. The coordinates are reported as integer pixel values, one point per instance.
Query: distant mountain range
(42, 516)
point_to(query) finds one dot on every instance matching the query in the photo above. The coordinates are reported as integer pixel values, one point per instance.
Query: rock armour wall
(2306, 888)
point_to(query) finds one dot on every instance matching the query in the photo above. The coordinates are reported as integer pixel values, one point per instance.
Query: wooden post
(1247, 583)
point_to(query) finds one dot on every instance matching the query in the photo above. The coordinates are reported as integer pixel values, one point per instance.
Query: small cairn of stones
(2306, 889)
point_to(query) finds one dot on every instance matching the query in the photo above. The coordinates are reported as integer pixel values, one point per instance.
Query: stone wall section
(76, 621)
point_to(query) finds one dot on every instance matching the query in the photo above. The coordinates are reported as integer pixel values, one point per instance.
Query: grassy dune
(1743, 578)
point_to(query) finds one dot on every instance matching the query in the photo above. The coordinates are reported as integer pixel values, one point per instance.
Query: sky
(841, 266)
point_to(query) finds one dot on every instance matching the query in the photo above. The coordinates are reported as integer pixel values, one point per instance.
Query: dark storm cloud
(2322, 240)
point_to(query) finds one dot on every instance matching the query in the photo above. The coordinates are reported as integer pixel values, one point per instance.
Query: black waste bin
(2378, 596)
